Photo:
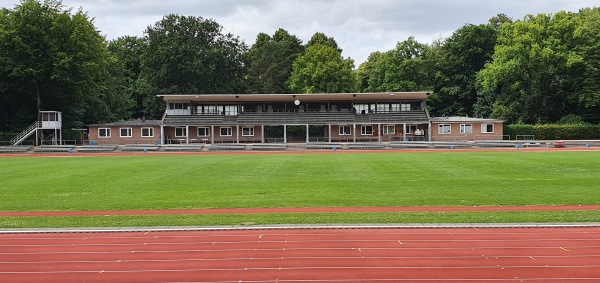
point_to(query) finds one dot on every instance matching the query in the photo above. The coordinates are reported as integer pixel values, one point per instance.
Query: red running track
(306, 255)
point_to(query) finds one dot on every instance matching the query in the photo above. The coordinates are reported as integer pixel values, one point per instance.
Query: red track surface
(306, 255)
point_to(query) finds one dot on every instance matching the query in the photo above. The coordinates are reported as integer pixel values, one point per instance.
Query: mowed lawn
(326, 179)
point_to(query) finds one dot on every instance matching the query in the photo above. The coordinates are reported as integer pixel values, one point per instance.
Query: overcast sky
(359, 26)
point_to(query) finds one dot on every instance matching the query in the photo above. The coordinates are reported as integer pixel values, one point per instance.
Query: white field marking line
(145, 243)
(572, 242)
(494, 267)
(305, 227)
(378, 234)
(302, 249)
(164, 233)
(299, 258)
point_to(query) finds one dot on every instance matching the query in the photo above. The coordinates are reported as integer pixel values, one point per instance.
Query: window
(487, 128)
(147, 132)
(177, 105)
(180, 132)
(444, 129)
(226, 131)
(203, 132)
(345, 130)
(49, 117)
(104, 132)
(389, 129)
(366, 130)
(125, 132)
(411, 129)
(383, 107)
(248, 131)
(405, 107)
(466, 128)
(231, 110)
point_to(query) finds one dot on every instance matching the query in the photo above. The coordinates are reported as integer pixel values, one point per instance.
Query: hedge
(554, 131)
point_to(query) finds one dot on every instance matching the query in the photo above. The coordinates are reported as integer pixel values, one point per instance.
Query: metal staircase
(26, 133)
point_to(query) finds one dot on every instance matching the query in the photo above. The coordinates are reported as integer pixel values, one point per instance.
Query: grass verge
(300, 218)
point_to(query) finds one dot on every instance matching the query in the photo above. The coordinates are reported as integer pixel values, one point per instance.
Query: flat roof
(461, 119)
(137, 122)
(358, 97)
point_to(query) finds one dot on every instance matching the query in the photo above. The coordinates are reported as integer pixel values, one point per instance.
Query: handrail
(26, 133)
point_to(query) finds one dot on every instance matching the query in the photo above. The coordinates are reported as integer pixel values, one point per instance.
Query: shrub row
(554, 131)
(5, 136)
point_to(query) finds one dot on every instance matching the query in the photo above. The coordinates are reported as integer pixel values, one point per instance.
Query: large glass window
(444, 129)
(177, 105)
(104, 132)
(366, 130)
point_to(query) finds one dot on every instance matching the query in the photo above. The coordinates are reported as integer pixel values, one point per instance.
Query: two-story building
(286, 118)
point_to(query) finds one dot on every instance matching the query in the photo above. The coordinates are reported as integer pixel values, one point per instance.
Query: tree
(270, 62)
(51, 59)
(322, 39)
(404, 68)
(187, 54)
(461, 57)
(322, 69)
(129, 51)
(364, 71)
(531, 77)
(587, 34)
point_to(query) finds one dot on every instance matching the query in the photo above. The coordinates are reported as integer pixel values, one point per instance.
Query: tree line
(540, 69)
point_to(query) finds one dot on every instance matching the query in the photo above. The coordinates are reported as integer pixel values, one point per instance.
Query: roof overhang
(325, 97)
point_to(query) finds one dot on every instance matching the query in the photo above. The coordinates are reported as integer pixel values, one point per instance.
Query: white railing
(26, 133)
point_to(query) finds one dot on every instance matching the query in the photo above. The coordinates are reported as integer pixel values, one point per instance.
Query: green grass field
(298, 180)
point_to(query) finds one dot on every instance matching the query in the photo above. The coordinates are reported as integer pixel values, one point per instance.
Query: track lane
(306, 255)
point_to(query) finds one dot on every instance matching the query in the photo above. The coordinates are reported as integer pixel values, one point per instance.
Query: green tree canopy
(404, 68)
(533, 70)
(187, 54)
(460, 58)
(322, 69)
(270, 62)
(51, 59)
(129, 51)
(321, 38)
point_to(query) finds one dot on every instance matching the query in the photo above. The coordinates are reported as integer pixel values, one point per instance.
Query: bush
(571, 119)
(517, 130)
(4, 136)
(554, 131)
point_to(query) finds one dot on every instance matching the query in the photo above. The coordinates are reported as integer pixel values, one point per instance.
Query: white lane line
(300, 242)
(302, 227)
(301, 249)
(494, 267)
(304, 258)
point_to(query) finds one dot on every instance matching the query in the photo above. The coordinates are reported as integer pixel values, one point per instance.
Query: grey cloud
(359, 26)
